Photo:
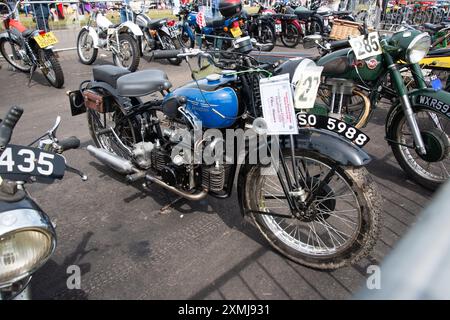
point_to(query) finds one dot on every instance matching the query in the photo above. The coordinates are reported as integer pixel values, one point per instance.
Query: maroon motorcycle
(291, 30)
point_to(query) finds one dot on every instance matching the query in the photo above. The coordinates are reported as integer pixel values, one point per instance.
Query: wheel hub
(319, 208)
(436, 145)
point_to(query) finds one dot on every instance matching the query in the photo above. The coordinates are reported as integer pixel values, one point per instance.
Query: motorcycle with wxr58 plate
(313, 201)
(26, 50)
(360, 71)
(27, 235)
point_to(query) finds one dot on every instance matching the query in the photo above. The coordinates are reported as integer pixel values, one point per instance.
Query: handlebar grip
(8, 124)
(166, 54)
(69, 143)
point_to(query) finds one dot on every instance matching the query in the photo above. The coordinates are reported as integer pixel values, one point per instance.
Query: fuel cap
(213, 77)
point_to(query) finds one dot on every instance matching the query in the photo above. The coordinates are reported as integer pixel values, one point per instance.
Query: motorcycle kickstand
(32, 70)
(166, 208)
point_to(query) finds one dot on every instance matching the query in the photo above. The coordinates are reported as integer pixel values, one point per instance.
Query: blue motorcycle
(225, 27)
(313, 200)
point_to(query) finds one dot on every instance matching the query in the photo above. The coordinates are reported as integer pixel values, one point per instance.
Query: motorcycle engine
(142, 154)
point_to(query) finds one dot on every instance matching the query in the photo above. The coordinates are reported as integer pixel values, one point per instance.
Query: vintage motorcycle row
(302, 181)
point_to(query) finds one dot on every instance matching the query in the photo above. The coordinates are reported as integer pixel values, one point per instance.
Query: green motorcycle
(359, 72)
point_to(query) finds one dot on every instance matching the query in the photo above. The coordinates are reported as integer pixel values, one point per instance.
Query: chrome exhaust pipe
(190, 196)
(112, 160)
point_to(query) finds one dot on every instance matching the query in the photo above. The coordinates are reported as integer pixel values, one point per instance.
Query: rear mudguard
(438, 101)
(326, 143)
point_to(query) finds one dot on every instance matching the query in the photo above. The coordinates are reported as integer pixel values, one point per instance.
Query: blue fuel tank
(211, 101)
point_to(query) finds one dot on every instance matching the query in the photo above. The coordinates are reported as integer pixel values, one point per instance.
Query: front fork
(399, 84)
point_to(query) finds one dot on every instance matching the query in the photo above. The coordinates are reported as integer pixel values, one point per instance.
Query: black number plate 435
(19, 162)
(345, 130)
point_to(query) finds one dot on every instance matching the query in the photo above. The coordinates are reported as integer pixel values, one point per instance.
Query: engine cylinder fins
(213, 177)
(159, 159)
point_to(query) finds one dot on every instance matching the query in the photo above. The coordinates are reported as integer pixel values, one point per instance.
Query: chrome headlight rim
(29, 220)
(414, 41)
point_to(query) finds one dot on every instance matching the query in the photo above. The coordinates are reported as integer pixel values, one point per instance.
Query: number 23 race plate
(307, 120)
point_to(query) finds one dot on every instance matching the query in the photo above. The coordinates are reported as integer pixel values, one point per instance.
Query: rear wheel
(339, 227)
(85, 48)
(52, 69)
(268, 37)
(291, 37)
(170, 44)
(15, 55)
(129, 55)
(122, 126)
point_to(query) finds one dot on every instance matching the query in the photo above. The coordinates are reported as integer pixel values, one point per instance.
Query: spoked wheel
(340, 217)
(355, 107)
(15, 55)
(185, 40)
(122, 126)
(129, 55)
(170, 44)
(268, 37)
(85, 47)
(291, 37)
(433, 168)
(52, 68)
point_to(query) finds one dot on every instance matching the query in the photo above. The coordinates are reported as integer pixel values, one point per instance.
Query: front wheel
(432, 169)
(51, 68)
(339, 226)
(128, 54)
(85, 48)
(291, 36)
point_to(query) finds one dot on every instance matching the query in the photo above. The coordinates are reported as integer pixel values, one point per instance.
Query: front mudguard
(130, 27)
(428, 98)
(93, 34)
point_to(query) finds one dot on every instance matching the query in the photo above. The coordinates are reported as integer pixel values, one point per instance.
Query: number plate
(236, 32)
(366, 47)
(19, 163)
(307, 120)
(278, 28)
(174, 31)
(46, 39)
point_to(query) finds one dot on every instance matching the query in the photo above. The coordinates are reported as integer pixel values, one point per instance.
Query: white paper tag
(366, 47)
(306, 80)
(277, 105)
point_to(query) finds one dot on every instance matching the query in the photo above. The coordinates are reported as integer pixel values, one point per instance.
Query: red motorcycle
(26, 50)
(291, 30)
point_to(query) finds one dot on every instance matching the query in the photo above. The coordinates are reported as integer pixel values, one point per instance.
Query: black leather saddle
(108, 74)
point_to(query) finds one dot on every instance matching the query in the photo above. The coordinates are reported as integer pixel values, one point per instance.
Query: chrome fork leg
(413, 124)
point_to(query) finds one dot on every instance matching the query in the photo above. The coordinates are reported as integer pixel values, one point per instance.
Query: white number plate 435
(366, 46)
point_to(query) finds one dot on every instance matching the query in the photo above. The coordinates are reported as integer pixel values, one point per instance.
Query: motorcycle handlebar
(166, 54)
(68, 143)
(8, 124)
